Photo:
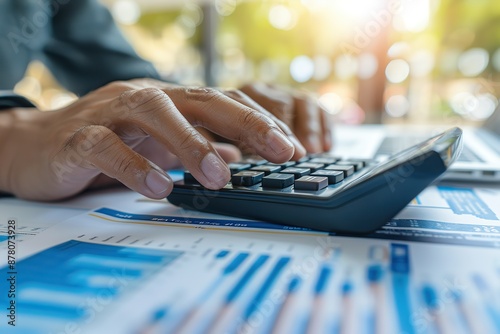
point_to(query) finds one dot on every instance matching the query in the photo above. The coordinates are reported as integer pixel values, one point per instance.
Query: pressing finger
(277, 102)
(153, 111)
(228, 118)
(244, 99)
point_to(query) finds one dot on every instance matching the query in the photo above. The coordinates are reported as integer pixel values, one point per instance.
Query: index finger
(155, 113)
(233, 120)
(241, 97)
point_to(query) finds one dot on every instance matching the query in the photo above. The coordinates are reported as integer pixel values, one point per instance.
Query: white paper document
(433, 269)
(449, 214)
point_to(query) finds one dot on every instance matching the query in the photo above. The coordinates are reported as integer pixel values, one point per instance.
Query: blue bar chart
(73, 281)
(434, 268)
(254, 292)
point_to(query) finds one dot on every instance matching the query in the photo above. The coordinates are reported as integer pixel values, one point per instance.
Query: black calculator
(324, 192)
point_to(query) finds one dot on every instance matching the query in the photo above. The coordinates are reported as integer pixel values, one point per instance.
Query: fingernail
(158, 183)
(278, 142)
(215, 170)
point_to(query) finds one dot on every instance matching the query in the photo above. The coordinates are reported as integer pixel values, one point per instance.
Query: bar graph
(464, 201)
(447, 215)
(97, 286)
(73, 281)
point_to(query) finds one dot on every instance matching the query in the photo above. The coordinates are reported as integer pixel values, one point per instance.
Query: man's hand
(131, 131)
(307, 119)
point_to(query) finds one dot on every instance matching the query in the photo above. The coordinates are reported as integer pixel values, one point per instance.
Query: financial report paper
(432, 269)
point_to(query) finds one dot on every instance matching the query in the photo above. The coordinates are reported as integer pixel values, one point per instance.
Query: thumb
(108, 155)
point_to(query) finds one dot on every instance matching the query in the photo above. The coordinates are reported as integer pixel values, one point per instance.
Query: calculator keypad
(312, 173)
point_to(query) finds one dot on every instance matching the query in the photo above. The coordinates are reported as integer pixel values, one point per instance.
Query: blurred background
(368, 61)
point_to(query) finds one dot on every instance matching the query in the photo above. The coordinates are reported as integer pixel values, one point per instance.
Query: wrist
(6, 130)
(9, 101)
(16, 131)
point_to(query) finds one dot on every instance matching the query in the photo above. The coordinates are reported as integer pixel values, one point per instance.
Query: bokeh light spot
(302, 68)
(126, 12)
(397, 71)
(473, 62)
(282, 17)
(397, 106)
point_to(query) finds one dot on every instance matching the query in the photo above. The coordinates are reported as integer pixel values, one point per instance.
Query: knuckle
(87, 137)
(149, 93)
(254, 88)
(118, 85)
(145, 95)
(203, 94)
(145, 82)
(236, 93)
(189, 139)
(121, 84)
(146, 100)
(250, 119)
(125, 165)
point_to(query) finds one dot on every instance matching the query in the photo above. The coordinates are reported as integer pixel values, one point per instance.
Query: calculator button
(189, 178)
(283, 165)
(356, 164)
(237, 167)
(333, 176)
(253, 161)
(266, 169)
(311, 166)
(324, 161)
(348, 170)
(297, 172)
(365, 162)
(277, 180)
(311, 183)
(323, 155)
(304, 159)
(247, 178)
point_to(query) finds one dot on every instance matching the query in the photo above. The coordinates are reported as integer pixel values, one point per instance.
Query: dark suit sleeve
(8, 99)
(86, 49)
